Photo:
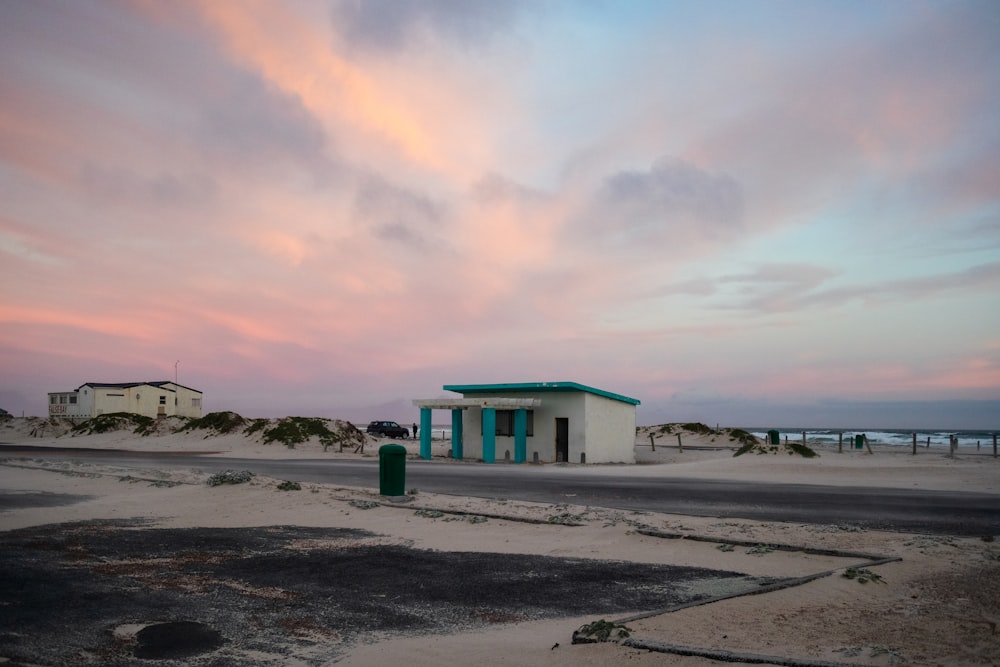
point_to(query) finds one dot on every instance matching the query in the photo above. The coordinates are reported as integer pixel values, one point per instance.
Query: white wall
(147, 400)
(61, 405)
(610, 430)
(189, 402)
(602, 427)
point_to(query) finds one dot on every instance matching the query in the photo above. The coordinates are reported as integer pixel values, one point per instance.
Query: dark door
(562, 439)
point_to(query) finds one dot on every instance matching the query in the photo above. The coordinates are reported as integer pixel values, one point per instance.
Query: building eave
(478, 389)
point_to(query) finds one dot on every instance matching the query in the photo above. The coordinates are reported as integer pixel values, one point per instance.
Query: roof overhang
(501, 402)
(535, 387)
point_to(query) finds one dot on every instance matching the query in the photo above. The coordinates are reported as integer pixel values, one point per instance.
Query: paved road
(905, 510)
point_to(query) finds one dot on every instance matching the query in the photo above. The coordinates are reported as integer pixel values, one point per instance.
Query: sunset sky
(750, 213)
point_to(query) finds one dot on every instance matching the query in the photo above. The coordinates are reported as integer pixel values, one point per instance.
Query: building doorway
(562, 439)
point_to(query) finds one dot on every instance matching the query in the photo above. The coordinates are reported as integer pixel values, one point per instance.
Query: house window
(195, 402)
(505, 422)
(53, 400)
(72, 400)
(62, 399)
(163, 400)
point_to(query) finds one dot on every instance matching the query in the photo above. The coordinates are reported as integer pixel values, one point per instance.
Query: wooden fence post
(865, 436)
(680, 446)
(652, 443)
(914, 443)
(840, 443)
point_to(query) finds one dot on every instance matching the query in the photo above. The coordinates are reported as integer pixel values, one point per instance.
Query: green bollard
(392, 470)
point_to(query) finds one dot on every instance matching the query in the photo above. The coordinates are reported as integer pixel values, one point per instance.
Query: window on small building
(163, 400)
(53, 400)
(72, 400)
(62, 399)
(195, 402)
(505, 422)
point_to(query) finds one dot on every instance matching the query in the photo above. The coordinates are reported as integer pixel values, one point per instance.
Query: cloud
(397, 214)
(792, 288)
(777, 287)
(391, 25)
(980, 277)
(671, 204)
(250, 122)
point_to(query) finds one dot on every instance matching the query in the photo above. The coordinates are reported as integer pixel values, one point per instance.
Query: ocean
(889, 438)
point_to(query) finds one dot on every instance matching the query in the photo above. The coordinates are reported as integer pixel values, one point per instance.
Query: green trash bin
(859, 442)
(773, 437)
(392, 470)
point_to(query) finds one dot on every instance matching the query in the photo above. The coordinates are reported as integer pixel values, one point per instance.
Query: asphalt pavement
(904, 510)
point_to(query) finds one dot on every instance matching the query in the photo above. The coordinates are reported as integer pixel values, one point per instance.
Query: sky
(760, 213)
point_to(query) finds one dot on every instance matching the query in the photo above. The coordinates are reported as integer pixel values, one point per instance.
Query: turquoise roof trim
(535, 387)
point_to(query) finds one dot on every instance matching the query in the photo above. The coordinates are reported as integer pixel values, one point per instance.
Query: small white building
(152, 399)
(535, 421)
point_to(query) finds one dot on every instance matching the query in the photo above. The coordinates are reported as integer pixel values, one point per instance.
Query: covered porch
(489, 406)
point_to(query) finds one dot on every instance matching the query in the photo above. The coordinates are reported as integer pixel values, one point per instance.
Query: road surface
(904, 510)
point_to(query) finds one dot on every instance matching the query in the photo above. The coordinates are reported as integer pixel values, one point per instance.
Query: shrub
(744, 437)
(220, 422)
(116, 421)
(767, 448)
(697, 427)
(230, 477)
(291, 431)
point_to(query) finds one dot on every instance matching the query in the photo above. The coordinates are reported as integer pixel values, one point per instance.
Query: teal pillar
(425, 433)
(520, 435)
(456, 434)
(489, 435)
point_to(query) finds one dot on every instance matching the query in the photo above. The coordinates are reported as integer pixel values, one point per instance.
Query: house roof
(127, 385)
(535, 387)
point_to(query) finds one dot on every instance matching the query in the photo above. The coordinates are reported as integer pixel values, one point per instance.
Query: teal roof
(535, 387)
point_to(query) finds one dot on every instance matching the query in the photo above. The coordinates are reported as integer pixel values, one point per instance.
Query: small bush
(219, 422)
(289, 486)
(363, 504)
(697, 427)
(230, 477)
(600, 631)
(861, 575)
(116, 421)
(291, 431)
(767, 448)
(741, 436)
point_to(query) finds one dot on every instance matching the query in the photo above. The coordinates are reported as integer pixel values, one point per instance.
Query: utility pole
(175, 370)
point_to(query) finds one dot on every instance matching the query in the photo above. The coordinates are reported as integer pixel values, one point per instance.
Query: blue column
(456, 434)
(489, 435)
(425, 433)
(520, 435)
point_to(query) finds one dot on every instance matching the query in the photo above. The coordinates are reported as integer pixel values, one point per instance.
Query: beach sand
(936, 605)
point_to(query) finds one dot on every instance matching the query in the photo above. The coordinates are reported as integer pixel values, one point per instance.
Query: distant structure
(151, 399)
(535, 421)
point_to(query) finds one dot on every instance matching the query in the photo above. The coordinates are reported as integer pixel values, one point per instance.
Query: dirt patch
(289, 591)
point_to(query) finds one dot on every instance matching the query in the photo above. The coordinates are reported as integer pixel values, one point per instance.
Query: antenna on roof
(175, 370)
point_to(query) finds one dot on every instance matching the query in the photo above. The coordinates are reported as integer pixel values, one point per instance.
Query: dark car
(388, 429)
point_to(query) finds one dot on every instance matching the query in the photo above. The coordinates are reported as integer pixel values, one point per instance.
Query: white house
(152, 399)
(536, 421)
